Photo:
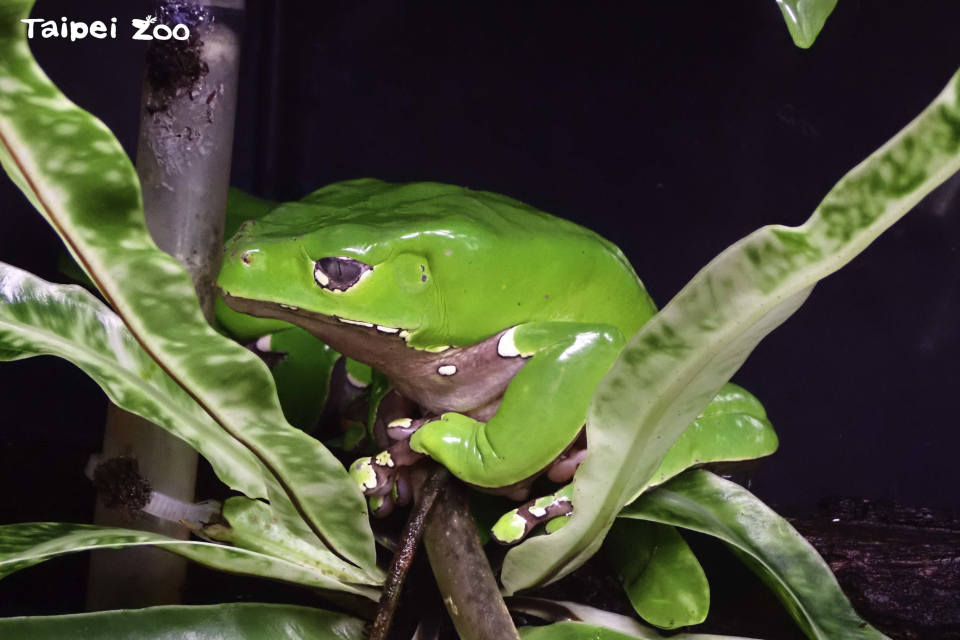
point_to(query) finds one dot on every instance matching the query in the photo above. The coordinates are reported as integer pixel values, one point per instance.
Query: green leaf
(24, 545)
(661, 575)
(626, 631)
(39, 318)
(246, 621)
(805, 18)
(733, 427)
(77, 174)
(254, 526)
(673, 367)
(787, 563)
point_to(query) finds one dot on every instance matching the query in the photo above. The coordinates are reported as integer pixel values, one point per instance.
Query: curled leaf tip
(805, 18)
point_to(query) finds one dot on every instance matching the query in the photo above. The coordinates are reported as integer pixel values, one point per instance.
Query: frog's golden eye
(339, 273)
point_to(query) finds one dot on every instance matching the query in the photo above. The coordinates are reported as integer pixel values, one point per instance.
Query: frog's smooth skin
(498, 319)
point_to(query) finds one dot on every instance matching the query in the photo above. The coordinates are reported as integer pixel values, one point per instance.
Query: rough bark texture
(463, 574)
(900, 566)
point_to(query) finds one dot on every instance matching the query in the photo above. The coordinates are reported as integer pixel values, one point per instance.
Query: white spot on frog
(359, 384)
(264, 343)
(387, 329)
(507, 347)
(538, 512)
(447, 370)
(400, 423)
(354, 322)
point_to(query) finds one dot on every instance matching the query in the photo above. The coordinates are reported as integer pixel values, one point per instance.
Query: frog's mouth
(302, 317)
(443, 379)
(382, 347)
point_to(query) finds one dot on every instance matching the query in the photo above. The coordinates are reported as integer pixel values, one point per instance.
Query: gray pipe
(183, 160)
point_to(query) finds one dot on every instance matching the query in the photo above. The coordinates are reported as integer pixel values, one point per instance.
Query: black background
(672, 128)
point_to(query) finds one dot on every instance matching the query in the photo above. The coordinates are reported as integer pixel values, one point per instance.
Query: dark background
(674, 129)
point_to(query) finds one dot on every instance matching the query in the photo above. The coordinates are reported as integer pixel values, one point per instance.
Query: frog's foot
(381, 506)
(393, 410)
(517, 524)
(402, 428)
(399, 496)
(383, 476)
(562, 469)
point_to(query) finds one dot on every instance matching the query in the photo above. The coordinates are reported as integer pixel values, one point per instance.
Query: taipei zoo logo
(146, 29)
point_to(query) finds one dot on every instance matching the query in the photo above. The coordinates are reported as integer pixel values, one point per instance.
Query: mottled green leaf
(673, 367)
(243, 621)
(77, 175)
(39, 318)
(253, 525)
(787, 563)
(659, 572)
(24, 545)
(805, 18)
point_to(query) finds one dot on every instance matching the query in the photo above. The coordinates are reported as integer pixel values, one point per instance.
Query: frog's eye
(339, 274)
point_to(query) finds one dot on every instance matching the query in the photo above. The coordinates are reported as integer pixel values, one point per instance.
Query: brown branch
(403, 558)
(463, 573)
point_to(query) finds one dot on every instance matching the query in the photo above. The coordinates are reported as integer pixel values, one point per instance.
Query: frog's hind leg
(517, 524)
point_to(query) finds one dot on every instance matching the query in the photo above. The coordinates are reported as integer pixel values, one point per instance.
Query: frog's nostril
(247, 257)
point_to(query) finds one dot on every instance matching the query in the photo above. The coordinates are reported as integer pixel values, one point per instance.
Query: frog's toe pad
(373, 478)
(517, 524)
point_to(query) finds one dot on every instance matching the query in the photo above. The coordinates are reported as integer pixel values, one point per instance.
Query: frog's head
(356, 254)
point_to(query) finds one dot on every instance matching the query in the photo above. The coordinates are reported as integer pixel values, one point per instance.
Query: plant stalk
(466, 581)
(183, 161)
(403, 558)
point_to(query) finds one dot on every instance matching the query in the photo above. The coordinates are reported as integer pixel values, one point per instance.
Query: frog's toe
(378, 475)
(563, 469)
(402, 490)
(365, 473)
(403, 428)
(381, 506)
(517, 524)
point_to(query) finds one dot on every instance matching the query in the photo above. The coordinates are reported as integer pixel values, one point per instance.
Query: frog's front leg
(542, 412)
